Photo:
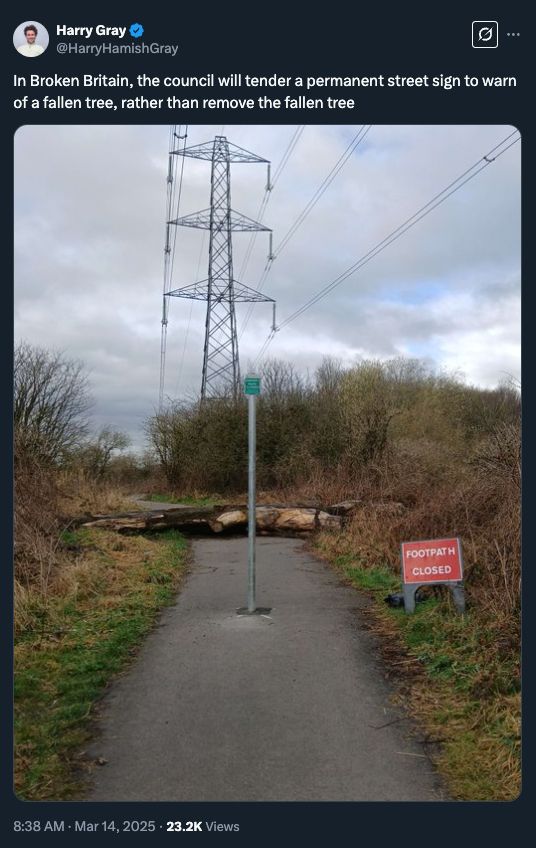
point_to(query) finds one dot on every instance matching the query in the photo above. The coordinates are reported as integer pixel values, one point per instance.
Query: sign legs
(458, 596)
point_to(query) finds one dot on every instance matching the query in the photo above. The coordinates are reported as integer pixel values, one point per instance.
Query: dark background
(328, 40)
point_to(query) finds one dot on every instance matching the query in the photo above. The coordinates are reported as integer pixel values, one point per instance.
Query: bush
(51, 400)
(96, 456)
(36, 524)
(428, 455)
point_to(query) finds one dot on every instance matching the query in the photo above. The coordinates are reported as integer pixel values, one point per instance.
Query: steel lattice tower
(221, 369)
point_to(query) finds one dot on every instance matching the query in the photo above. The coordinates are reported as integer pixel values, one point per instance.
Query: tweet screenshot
(262, 537)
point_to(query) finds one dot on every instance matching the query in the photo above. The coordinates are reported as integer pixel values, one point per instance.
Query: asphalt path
(291, 705)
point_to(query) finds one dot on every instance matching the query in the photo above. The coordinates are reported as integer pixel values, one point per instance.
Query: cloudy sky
(89, 238)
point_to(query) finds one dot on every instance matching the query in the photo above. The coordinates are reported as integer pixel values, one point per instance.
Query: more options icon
(485, 34)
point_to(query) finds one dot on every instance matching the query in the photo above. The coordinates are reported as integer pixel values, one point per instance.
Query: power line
(421, 213)
(169, 250)
(324, 185)
(410, 222)
(287, 154)
(265, 345)
(259, 216)
(262, 209)
(184, 137)
(179, 375)
(167, 259)
(267, 194)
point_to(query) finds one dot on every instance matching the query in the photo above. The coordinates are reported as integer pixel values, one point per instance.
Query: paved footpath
(287, 707)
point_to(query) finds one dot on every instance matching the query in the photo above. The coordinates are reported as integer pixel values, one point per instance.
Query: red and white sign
(433, 561)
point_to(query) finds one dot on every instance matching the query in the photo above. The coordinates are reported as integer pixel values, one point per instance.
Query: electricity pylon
(221, 368)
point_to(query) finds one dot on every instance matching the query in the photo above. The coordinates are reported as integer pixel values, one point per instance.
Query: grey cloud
(89, 230)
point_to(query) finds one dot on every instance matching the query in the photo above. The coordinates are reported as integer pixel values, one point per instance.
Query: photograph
(267, 462)
(30, 39)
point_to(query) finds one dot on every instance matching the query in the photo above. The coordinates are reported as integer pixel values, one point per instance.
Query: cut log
(234, 518)
(269, 519)
(344, 507)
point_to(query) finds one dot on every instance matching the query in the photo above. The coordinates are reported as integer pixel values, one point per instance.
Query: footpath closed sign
(432, 561)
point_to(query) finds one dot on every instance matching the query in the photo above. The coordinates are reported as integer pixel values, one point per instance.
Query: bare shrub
(499, 455)
(96, 455)
(80, 494)
(497, 466)
(426, 455)
(36, 525)
(169, 436)
(51, 400)
(367, 406)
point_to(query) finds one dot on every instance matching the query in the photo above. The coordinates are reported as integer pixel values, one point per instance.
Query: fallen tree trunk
(269, 519)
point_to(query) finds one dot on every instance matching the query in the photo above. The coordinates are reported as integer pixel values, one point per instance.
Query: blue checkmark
(136, 30)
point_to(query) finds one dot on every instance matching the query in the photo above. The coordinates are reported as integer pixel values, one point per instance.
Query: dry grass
(458, 677)
(476, 743)
(80, 495)
(47, 504)
(99, 607)
(426, 457)
(423, 491)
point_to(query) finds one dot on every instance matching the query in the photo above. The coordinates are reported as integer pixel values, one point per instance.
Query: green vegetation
(336, 425)
(76, 539)
(379, 580)
(75, 640)
(459, 677)
(188, 500)
(425, 456)
(422, 454)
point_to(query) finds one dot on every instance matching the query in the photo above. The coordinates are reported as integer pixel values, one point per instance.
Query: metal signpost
(252, 388)
(435, 561)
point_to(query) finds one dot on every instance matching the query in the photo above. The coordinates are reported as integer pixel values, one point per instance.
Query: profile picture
(30, 39)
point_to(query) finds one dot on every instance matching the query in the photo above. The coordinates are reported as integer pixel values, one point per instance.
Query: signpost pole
(252, 400)
(252, 388)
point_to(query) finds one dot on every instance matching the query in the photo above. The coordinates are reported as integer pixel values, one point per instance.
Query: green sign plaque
(252, 386)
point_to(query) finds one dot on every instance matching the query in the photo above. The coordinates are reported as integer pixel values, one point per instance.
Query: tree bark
(269, 519)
